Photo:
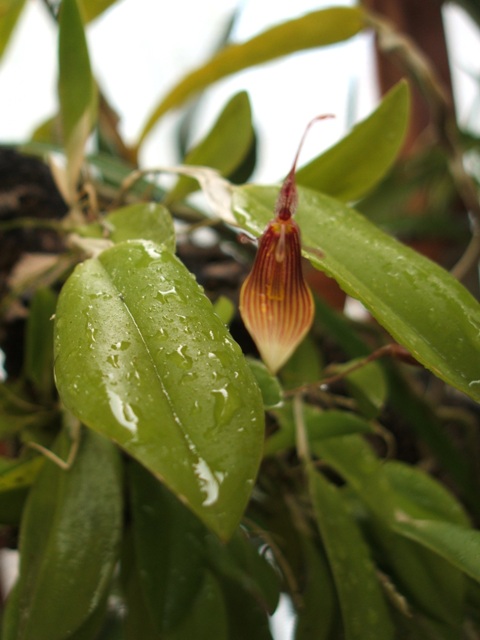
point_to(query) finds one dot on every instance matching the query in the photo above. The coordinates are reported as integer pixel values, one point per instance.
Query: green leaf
(76, 88)
(359, 161)
(315, 29)
(368, 386)
(364, 610)
(241, 562)
(207, 618)
(69, 540)
(246, 617)
(225, 309)
(39, 343)
(92, 8)
(421, 496)
(142, 221)
(353, 458)
(167, 540)
(305, 365)
(319, 424)
(268, 383)
(10, 11)
(319, 613)
(422, 306)
(16, 474)
(224, 147)
(458, 545)
(142, 357)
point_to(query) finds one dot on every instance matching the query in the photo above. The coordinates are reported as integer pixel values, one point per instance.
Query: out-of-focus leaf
(268, 383)
(315, 29)
(143, 221)
(92, 8)
(137, 622)
(167, 540)
(305, 365)
(361, 159)
(76, 88)
(319, 614)
(69, 541)
(142, 357)
(39, 343)
(225, 309)
(319, 425)
(458, 545)
(207, 618)
(431, 586)
(353, 458)
(364, 611)
(241, 562)
(224, 147)
(421, 496)
(246, 617)
(423, 307)
(368, 386)
(16, 474)
(10, 11)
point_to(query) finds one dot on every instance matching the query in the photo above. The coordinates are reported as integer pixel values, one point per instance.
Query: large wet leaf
(315, 29)
(421, 305)
(353, 166)
(142, 358)
(69, 541)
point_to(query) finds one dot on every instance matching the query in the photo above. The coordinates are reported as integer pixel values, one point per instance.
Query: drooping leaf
(360, 160)
(319, 614)
(10, 11)
(39, 343)
(364, 611)
(223, 148)
(167, 540)
(16, 474)
(458, 545)
(76, 88)
(422, 306)
(69, 541)
(142, 357)
(315, 29)
(92, 8)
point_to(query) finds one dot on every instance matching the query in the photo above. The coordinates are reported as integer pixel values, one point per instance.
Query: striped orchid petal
(275, 302)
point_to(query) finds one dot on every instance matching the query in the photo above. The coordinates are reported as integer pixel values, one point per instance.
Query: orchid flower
(276, 303)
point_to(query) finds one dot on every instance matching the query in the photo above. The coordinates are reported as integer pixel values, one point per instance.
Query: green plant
(165, 486)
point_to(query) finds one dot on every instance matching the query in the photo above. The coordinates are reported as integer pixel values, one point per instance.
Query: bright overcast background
(140, 48)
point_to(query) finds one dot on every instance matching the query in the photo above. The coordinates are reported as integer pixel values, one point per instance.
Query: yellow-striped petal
(276, 303)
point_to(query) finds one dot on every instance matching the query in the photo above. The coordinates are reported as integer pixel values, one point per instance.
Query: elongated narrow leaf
(93, 8)
(315, 29)
(10, 11)
(167, 540)
(225, 146)
(142, 357)
(364, 610)
(39, 343)
(76, 87)
(458, 545)
(422, 306)
(352, 167)
(69, 541)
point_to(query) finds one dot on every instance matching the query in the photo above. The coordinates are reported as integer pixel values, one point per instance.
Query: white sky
(140, 48)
